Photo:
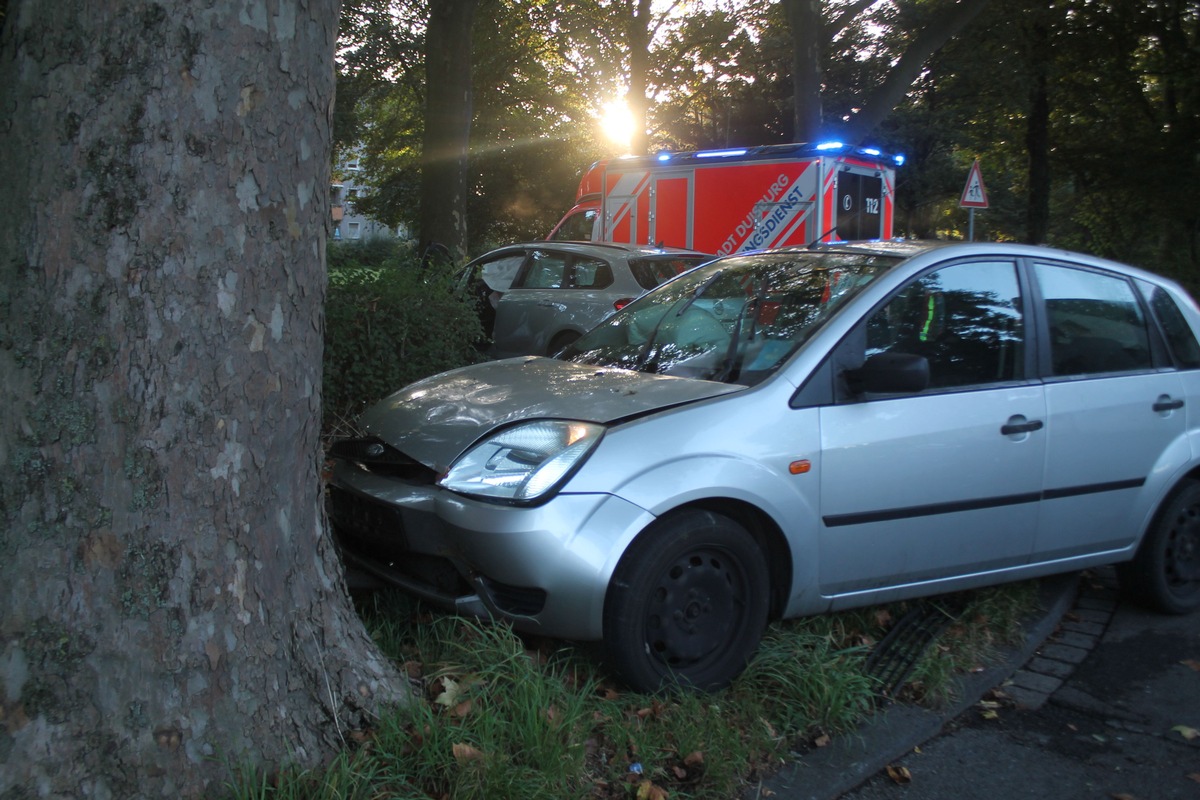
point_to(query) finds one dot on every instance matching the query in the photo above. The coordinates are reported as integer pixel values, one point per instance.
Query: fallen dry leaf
(465, 753)
(883, 617)
(1186, 732)
(1191, 663)
(694, 758)
(648, 791)
(822, 741)
(899, 774)
(462, 709)
(680, 773)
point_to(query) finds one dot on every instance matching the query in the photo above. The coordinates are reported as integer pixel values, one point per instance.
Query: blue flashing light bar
(899, 159)
(721, 153)
(664, 156)
(871, 151)
(831, 145)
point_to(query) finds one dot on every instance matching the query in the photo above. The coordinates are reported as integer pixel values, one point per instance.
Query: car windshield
(735, 320)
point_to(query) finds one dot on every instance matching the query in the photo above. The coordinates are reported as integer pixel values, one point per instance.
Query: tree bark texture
(171, 603)
(448, 113)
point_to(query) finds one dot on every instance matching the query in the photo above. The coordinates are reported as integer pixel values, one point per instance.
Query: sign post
(974, 195)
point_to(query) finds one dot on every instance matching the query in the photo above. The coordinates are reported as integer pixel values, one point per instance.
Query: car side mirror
(889, 373)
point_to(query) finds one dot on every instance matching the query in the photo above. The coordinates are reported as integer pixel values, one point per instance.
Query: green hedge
(388, 323)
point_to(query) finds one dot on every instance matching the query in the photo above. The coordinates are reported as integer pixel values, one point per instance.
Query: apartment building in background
(344, 191)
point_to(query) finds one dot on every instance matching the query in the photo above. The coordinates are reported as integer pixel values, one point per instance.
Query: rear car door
(916, 487)
(528, 310)
(1114, 404)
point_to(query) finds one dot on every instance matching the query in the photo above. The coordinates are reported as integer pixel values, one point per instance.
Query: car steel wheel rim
(695, 609)
(1183, 550)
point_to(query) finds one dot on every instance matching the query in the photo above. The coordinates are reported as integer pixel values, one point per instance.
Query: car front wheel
(1165, 573)
(687, 604)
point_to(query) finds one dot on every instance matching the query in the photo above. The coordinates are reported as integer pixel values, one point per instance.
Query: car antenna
(813, 244)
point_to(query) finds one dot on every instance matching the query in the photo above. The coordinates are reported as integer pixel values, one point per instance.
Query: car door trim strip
(933, 509)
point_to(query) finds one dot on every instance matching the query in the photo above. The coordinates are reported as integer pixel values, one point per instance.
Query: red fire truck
(728, 201)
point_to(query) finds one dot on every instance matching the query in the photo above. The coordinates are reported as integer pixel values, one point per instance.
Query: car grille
(371, 533)
(515, 600)
(380, 458)
(366, 526)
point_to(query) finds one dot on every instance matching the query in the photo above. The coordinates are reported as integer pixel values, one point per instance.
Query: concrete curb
(887, 735)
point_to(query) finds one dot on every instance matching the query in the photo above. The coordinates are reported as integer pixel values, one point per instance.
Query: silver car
(536, 298)
(794, 432)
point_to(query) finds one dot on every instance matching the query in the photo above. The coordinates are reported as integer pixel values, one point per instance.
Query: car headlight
(523, 462)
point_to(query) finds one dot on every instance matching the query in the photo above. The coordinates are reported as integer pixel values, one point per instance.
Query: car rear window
(655, 271)
(1179, 334)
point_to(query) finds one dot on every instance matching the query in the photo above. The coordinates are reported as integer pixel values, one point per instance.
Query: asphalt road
(1117, 727)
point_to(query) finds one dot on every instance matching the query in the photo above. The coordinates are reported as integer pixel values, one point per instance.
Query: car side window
(591, 274)
(965, 319)
(544, 270)
(1179, 335)
(577, 227)
(1095, 322)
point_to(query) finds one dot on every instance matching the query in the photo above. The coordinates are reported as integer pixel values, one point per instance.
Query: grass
(501, 717)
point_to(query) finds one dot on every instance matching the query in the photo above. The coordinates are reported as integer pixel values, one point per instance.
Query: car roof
(598, 248)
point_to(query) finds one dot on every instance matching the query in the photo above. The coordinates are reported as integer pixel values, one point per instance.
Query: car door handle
(1166, 403)
(1012, 428)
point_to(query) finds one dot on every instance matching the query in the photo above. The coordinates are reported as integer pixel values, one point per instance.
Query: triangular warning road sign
(974, 194)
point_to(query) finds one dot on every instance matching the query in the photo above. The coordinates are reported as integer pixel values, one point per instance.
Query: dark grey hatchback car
(536, 298)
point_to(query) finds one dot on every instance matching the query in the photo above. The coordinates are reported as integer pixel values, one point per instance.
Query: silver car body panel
(433, 421)
(882, 509)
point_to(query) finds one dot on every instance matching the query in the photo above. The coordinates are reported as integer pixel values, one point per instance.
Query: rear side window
(1096, 324)
(544, 271)
(592, 274)
(1178, 333)
(653, 272)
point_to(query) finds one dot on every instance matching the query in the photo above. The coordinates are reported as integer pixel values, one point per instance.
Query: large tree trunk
(171, 601)
(448, 112)
(639, 65)
(809, 35)
(1037, 138)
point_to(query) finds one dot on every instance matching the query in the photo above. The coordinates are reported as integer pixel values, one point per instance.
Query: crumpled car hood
(434, 420)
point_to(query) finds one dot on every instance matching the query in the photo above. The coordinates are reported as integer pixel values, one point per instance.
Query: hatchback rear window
(653, 272)
(1179, 334)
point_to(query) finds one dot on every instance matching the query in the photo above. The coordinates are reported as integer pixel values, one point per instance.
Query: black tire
(1165, 573)
(561, 341)
(687, 604)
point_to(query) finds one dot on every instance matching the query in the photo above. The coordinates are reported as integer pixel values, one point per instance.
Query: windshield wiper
(653, 337)
(730, 367)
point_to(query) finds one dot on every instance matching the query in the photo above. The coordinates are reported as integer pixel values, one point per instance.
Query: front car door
(947, 481)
